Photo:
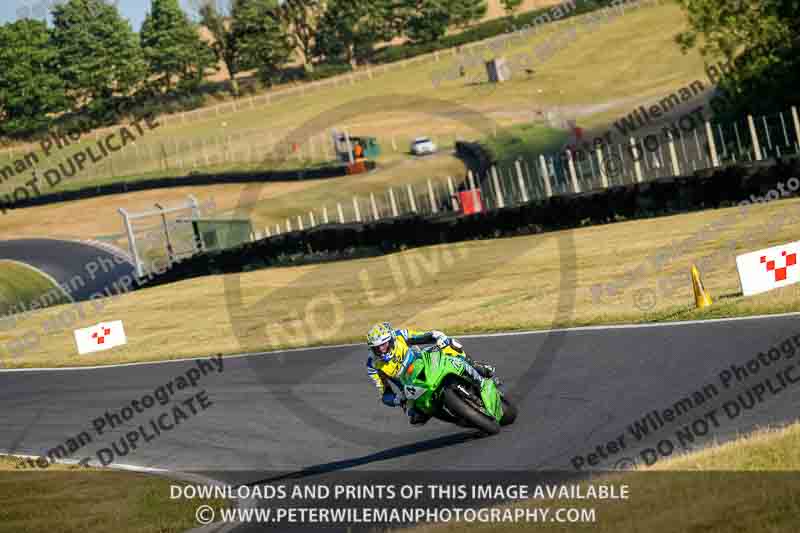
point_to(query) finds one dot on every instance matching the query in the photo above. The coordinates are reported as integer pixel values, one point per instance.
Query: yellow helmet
(380, 339)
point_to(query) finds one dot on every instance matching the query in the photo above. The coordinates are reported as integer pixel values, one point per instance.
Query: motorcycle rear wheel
(453, 398)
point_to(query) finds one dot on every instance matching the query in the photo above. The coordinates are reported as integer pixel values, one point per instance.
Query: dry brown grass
(503, 284)
(742, 485)
(67, 499)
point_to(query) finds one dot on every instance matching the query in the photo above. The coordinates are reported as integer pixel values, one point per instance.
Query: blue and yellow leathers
(381, 372)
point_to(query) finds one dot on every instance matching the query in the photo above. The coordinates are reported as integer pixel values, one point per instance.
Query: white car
(422, 146)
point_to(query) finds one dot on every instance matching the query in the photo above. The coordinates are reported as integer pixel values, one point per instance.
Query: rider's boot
(416, 418)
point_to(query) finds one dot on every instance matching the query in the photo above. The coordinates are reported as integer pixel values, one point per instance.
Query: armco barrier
(710, 189)
(333, 171)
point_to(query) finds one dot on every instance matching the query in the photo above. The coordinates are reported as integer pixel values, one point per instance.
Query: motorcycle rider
(391, 351)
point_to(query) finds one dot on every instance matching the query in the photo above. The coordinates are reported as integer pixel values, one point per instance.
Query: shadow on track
(384, 455)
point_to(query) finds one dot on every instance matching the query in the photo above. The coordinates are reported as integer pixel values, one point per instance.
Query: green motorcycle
(437, 383)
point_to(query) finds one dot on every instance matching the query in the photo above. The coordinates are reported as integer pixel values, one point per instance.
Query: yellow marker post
(701, 297)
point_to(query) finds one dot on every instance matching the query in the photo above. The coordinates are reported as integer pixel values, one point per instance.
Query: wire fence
(675, 151)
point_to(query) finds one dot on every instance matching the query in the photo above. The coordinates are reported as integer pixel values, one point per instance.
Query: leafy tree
(758, 43)
(98, 53)
(172, 46)
(511, 6)
(303, 17)
(30, 87)
(349, 29)
(463, 13)
(225, 45)
(262, 36)
(253, 36)
(427, 20)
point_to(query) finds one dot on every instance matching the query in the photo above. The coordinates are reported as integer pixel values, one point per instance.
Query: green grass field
(605, 70)
(602, 64)
(20, 284)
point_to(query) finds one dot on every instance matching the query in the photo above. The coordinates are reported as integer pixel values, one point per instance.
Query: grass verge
(73, 499)
(528, 282)
(742, 485)
(21, 285)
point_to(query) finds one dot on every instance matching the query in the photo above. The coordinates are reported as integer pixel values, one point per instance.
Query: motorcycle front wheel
(460, 402)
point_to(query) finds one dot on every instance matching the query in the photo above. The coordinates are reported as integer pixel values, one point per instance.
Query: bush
(328, 70)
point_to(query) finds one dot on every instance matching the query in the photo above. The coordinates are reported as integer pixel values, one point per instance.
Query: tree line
(88, 67)
(759, 40)
(90, 63)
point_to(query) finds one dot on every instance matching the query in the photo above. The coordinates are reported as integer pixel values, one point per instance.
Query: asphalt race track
(63, 260)
(315, 411)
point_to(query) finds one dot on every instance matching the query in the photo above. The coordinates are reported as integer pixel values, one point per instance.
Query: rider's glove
(392, 400)
(442, 340)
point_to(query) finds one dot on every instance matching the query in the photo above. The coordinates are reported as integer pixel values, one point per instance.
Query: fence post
(132, 242)
(375, 215)
(754, 136)
(453, 198)
(601, 164)
(411, 199)
(548, 190)
(498, 192)
(521, 180)
(673, 154)
(637, 160)
(288, 225)
(300, 222)
(341, 213)
(796, 126)
(325, 214)
(277, 229)
(349, 146)
(434, 207)
(576, 187)
(357, 209)
(393, 202)
(311, 219)
(712, 145)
